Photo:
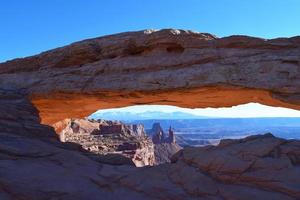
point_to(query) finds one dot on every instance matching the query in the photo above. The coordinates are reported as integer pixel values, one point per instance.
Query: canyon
(116, 143)
(169, 66)
(110, 142)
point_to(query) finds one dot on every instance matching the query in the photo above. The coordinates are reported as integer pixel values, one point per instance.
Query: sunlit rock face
(174, 67)
(109, 142)
(149, 67)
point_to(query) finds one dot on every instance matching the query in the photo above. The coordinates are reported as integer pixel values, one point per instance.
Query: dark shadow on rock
(110, 158)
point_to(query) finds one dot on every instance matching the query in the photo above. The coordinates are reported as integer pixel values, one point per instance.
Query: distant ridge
(130, 116)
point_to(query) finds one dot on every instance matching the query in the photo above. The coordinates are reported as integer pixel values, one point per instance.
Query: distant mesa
(110, 142)
(114, 142)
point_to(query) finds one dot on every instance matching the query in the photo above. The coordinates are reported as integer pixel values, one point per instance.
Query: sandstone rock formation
(33, 166)
(157, 133)
(148, 67)
(165, 146)
(245, 168)
(159, 136)
(258, 167)
(109, 141)
(163, 152)
(174, 67)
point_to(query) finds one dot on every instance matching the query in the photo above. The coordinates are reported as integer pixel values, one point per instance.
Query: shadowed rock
(173, 67)
(165, 146)
(259, 167)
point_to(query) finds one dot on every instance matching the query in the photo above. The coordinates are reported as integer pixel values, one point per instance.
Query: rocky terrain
(35, 165)
(109, 141)
(173, 67)
(165, 146)
(258, 167)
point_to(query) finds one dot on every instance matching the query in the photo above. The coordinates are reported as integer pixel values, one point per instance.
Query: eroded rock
(165, 146)
(34, 168)
(256, 161)
(149, 67)
(109, 141)
(174, 67)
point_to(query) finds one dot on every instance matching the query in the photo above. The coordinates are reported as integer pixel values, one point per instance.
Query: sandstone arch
(174, 67)
(164, 67)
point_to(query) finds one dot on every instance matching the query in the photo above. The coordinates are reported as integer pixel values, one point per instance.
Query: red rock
(148, 67)
(109, 141)
(174, 67)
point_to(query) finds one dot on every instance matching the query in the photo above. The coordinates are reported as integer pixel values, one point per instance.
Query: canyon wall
(110, 142)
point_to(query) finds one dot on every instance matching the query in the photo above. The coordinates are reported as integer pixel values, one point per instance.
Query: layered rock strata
(174, 67)
(109, 141)
(258, 167)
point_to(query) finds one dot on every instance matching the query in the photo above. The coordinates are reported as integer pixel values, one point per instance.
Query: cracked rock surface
(33, 169)
(39, 167)
(174, 67)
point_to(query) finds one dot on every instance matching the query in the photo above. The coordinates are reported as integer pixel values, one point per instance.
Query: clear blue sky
(31, 26)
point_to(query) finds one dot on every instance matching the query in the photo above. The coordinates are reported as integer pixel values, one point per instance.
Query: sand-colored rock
(256, 161)
(174, 67)
(109, 142)
(35, 166)
(148, 67)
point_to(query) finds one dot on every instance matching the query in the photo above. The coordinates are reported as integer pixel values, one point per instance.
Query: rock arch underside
(173, 67)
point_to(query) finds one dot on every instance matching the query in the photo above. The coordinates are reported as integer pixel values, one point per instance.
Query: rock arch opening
(152, 134)
(198, 71)
(58, 106)
(204, 124)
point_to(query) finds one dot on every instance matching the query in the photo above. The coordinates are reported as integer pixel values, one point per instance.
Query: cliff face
(159, 136)
(109, 141)
(165, 146)
(172, 67)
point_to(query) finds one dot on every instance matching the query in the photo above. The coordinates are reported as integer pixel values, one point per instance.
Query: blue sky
(31, 26)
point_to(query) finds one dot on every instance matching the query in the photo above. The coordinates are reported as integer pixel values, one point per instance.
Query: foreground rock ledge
(258, 167)
(34, 165)
(174, 67)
